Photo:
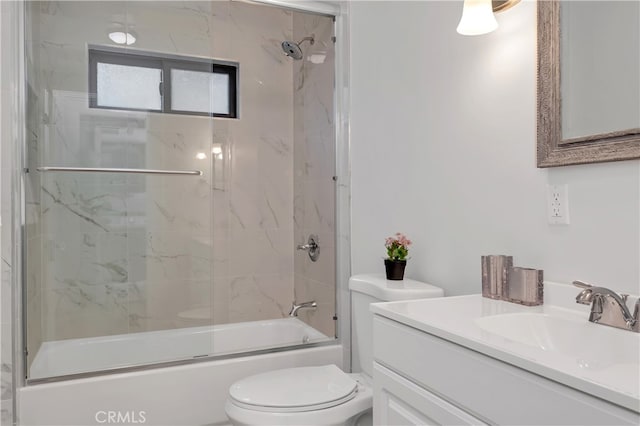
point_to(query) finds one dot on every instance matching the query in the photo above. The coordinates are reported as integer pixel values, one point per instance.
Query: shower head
(293, 49)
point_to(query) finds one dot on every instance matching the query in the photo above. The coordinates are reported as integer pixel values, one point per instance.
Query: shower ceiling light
(217, 149)
(120, 37)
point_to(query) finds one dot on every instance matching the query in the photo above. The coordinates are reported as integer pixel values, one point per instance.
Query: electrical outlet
(558, 204)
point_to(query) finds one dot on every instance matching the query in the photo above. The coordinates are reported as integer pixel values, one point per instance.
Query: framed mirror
(588, 82)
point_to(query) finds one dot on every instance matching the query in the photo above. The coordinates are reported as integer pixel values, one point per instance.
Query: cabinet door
(400, 402)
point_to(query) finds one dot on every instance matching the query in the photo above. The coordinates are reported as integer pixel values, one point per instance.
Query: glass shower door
(180, 240)
(119, 212)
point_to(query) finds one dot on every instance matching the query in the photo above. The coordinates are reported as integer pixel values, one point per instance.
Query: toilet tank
(372, 288)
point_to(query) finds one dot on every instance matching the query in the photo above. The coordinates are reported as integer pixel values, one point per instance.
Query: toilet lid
(294, 389)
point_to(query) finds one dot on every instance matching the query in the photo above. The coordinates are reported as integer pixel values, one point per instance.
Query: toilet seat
(294, 390)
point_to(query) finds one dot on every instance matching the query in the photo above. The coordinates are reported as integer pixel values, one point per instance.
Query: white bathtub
(59, 358)
(191, 394)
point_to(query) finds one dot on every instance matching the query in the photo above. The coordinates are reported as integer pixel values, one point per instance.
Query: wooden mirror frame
(552, 150)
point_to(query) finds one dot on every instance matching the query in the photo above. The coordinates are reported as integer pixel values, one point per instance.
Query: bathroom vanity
(473, 360)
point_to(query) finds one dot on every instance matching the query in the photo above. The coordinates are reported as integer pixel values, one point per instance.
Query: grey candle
(525, 286)
(495, 275)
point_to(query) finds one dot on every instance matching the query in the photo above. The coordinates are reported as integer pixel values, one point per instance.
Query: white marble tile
(319, 205)
(324, 295)
(6, 366)
(221, 255)
(179, 205)
(169, 257)
(172, 304)
(257, 297)
(6, 416)
(244, 155)
(318, 148)
(33, 296)
(220, 303)
(186, 29)
(260, 252)
(275, 158)
(314, 165)
(5, 292)
(260, 205)
(275, 205)
(9, 141)
(244, 199)
(220, 212)
(81, 310)
(75, 259)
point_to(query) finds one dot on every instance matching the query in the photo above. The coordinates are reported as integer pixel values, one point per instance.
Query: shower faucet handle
(311, 247)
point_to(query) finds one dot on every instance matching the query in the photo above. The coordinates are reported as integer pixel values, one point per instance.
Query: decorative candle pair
(502, 281)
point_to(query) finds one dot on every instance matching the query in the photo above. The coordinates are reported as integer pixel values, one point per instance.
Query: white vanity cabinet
(398, 401)
(421, 379)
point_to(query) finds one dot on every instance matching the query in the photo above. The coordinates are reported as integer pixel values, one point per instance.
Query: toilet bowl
(324, 395)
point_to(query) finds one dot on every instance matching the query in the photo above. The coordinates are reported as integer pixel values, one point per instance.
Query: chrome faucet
(304, 305)
(312, 247)
(608, 307)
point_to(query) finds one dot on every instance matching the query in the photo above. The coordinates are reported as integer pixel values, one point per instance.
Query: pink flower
(397, 246)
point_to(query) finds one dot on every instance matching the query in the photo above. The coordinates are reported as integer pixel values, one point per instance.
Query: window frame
(165, 63)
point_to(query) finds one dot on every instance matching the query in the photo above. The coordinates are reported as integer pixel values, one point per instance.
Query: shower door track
(175, 363)
(115, 170)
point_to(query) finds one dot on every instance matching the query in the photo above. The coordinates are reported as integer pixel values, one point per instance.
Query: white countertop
(596, 359)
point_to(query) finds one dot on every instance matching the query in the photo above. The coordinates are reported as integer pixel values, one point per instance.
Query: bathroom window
(120, 79)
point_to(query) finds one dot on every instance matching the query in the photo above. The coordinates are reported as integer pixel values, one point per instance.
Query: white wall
(443, 149)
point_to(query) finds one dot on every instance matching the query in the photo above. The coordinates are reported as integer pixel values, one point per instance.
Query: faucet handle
(585, 297)
(624, 297)
(581, 284)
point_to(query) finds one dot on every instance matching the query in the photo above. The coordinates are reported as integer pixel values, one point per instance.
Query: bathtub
(63, 357)
(188, 394)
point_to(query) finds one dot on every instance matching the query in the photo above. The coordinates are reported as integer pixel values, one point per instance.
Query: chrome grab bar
(106, 170)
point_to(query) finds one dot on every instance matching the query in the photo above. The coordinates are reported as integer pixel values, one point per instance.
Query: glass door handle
(115, 170)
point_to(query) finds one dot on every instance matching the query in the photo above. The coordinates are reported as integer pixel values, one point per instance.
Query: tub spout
(304, 305)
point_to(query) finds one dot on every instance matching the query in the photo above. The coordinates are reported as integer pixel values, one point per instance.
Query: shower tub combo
(172, 178)
(189, 393)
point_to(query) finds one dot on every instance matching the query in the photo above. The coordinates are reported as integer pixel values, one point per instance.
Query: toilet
(325, 395)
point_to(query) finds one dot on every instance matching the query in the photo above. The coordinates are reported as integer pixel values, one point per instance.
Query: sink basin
(591, 346)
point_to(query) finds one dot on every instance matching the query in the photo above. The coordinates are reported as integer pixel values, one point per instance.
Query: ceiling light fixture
(121, 37)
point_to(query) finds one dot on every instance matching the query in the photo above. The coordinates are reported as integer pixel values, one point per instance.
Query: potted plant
(397, 251)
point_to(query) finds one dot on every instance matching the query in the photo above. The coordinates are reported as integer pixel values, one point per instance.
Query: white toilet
(324, 395)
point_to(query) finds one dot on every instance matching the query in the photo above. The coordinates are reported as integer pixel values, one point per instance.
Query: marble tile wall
(9, 138)
(259, 227)
(120, 253)
(32, 183)
(113, 254)
(314, 168)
